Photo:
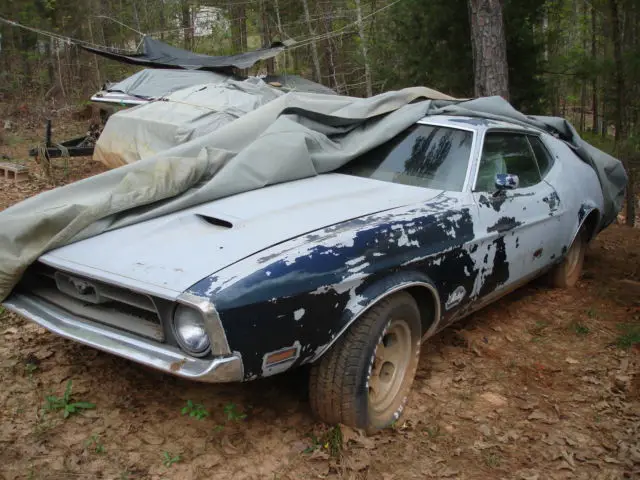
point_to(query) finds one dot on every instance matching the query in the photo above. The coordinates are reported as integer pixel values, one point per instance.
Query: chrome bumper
(166, 358)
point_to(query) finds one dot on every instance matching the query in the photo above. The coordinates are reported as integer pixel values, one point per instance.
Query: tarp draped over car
(179, 117)
(295, 136)
(152, 83)
(158, 54)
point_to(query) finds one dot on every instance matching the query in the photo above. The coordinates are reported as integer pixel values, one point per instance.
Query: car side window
(504, 152)
(545, 161)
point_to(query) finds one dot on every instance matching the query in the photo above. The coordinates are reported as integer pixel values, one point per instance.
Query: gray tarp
(143, 131)
(292, 137)
(158, 82)
(151, 83)
(156, 53)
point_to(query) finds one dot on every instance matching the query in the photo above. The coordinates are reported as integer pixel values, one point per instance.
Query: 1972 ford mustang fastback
(349, 271)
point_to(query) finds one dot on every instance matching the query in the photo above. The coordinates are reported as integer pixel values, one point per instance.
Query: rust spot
(537, 253)
(176, 366)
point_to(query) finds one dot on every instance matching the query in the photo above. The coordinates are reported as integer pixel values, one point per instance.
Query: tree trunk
(330, 47)
(285, 54)
(265, 33)
(363, 45)
(161, 19)
(619, 71)
(95, 57)
(314, 47)
(489, 46)
(187, 28)
(238, 13)
(594, 80)
(621, 132)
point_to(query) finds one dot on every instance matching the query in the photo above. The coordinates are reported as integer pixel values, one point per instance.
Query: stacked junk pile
(178, 96)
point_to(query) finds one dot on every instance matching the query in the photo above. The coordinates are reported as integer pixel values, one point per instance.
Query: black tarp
(161, 55)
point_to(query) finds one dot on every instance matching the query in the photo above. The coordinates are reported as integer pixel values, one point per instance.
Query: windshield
(423, 156)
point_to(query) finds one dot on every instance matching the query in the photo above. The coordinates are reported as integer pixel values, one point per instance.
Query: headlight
(190, 332)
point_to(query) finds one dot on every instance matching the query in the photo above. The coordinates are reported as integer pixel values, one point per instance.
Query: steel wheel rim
(573, 256)
(389, 363)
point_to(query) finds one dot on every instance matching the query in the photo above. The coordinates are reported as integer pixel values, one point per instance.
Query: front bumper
(162, 357)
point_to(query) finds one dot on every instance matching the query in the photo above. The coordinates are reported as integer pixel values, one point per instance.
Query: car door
(516, 225)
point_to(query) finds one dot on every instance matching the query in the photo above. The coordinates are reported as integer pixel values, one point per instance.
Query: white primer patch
(298, 314)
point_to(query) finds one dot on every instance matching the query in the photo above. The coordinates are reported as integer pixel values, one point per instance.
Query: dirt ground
(544, 384)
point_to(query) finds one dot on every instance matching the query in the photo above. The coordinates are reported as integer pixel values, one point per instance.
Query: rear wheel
(363, 381)
(567, 273)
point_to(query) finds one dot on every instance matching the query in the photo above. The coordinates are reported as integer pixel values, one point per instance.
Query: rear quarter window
(543, 157)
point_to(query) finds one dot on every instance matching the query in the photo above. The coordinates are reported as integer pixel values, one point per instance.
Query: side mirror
(506, 181)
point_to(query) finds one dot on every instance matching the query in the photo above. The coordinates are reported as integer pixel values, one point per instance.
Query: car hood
(167, 255)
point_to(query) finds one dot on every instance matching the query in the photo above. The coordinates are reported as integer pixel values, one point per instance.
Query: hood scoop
(218, 222)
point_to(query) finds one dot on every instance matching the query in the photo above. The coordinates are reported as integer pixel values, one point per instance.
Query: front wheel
(363, 381)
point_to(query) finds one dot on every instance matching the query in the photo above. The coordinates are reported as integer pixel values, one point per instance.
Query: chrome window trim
(473, 150)
(524, 133)
(552, 160)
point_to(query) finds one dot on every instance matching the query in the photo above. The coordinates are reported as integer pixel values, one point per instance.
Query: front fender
(376, 290)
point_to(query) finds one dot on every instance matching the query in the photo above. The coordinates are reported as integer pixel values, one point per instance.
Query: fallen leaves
(494, 399)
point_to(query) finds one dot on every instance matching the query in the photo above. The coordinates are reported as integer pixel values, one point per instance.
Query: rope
(120, 23)
(334, 33)
(61, 38)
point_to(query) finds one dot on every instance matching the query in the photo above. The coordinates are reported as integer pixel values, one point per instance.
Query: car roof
(477, 124)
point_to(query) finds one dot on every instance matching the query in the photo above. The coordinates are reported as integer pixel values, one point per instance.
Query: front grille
(83, 297)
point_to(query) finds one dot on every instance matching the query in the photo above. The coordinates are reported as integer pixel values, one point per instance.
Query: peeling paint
(306, 289)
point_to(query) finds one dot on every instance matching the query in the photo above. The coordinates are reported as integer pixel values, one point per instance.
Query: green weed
(65, 404)
(492, 460)
(331, 441)
(434, 432)
(95, 444)
(580, 329)
(334, 441)
(195, 410)
(233, 414)
(30, 368)
(593, 313)
(629, 336)
(169, 459)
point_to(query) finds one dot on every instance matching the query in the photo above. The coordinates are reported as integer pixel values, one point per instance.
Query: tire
(363, 381)
(567, 273)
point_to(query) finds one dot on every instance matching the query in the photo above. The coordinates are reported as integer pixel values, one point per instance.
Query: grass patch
(492, 460)
(330, 442)
(629, 335)
(580, 329)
